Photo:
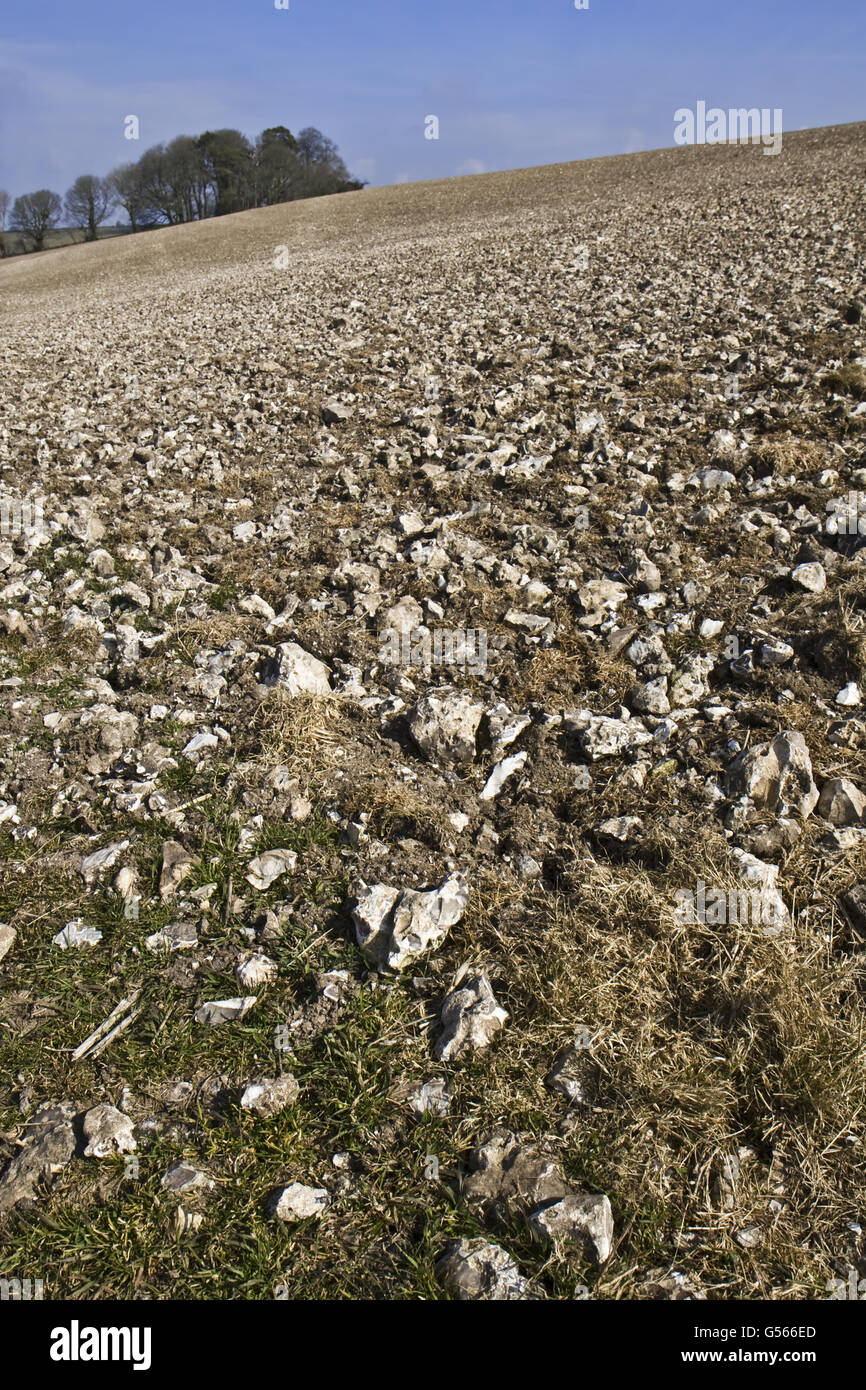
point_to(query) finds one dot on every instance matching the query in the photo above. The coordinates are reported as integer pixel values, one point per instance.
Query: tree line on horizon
(190, 178)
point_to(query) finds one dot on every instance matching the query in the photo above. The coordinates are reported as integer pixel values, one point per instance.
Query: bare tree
(128, 187)
(323, 169)
(190, 179)
(228, 162)
(155, 169)
(88, 203)
(5, 200)
(35, 213)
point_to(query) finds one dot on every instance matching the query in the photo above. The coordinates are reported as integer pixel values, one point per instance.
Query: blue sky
(513, 82)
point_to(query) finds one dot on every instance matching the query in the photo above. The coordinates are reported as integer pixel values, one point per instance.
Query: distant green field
(18, 243)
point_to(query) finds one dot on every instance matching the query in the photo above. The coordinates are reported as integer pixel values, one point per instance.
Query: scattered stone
(107, 1131)
(184, 1177)
(395, 926)
(528, 867)
(515, 1175)
(775, 775)
(775, 653)
(431, 1097)
(255, 972)
(187, 1222)
(177, 863)
(270, 1096)
(92, 866)
(268, 867)
(810, 577)
(444, 725)
(651, 697)
(761, 877)
(297, 672)
(726, 1175)
(521, 1180)
(749, 1237)
(470, 1016)
(48, 1146)
(335, 413)
(174, 936)
(688, 684)
(218, 1011)
(474, 1270)
(197, 744)
(621, 828)
(281, 463)
(841, 803)
(663, 1285)
(7, 939)
(299, 1203)
(500, 774)
(504, 727)
(768, 840)
(572, 1075)
(711, 479)
(602, 737)
(599, 598)
(76, 934)
(583, 1221)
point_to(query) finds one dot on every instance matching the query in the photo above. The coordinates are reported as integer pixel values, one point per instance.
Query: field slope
(463, 533)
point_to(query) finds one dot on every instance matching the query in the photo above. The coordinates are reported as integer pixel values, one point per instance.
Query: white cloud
(472, 166)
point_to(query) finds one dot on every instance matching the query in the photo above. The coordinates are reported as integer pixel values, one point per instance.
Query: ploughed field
(431, 801)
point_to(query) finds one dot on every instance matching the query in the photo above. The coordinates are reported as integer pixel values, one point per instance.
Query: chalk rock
(297, 672)
(48, 1145)
(217, 1011)
(76, 934)
(101, 859)
(570, 1074)
(444, 724)
(174, 936)
(760, 877)
(651, 697)
(185, 1177)
(602, 737)
(500, 774)
(107, 1131)
(580, 1220)
(298, 1202)
(176, 864)
(431, 1098)
(841, 802)
(335, 413)
(268, 867)
(395, 926)
(473, 1270)
(688, 684)
(516, 1175)
(810, 577)
(776, 775)
(270, 1096)
(258, 970)
(470, 1017)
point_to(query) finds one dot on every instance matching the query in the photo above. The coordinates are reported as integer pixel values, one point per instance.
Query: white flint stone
(395, 926)
(297, 1202)
(470, 1017)
(268, 867)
